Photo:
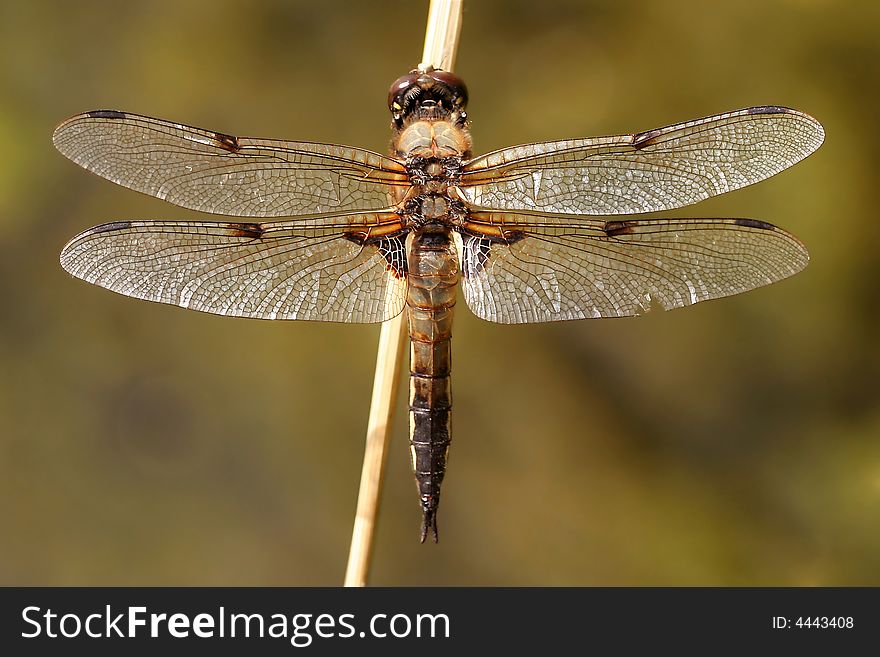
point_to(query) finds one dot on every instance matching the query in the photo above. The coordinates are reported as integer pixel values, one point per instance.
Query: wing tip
(758, 224)
(76, 239)
(813, 122)
(92, 114)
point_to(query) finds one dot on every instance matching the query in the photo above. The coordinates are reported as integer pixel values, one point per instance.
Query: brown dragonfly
(532, 233)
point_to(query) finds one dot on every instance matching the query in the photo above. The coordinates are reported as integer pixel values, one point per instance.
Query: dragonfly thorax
(433, 173)
(434, 209)
(427, 138)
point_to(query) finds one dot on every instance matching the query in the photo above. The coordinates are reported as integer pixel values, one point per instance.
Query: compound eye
(399, 88)
(455, 84)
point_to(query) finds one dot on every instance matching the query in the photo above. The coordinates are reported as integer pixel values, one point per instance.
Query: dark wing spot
(769, 109)
(646, 138)
(754, 223)
(358, 238)
(227, 142)
(110, 226)
(251, 230)
(106, 114)
(513, 236)
(614, 228)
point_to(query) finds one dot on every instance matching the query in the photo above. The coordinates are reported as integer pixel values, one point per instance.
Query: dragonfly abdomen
(433, 277)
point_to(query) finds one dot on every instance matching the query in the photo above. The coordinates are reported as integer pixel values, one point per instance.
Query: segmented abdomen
(433, 276)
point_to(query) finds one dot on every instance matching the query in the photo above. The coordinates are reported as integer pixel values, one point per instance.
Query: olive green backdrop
(733, 443)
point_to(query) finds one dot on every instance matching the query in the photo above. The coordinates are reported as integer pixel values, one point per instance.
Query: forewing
(541, 272)
(221, 174)
(267, 271)
(649, 171)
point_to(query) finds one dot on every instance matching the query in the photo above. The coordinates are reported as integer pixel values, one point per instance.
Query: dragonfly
(540, 232)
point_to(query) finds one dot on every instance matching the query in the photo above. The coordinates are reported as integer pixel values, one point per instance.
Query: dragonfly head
(431, 94)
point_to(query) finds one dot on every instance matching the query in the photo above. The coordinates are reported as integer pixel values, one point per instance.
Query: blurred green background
(733, 443)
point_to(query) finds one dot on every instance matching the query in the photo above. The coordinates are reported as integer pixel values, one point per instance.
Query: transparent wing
(650, 171)
(531, 271)
(221, 174)
(268, 271)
